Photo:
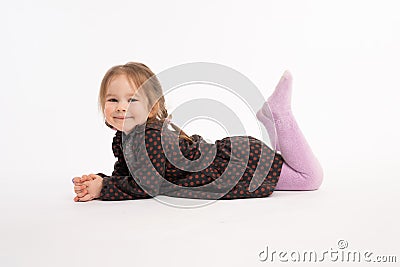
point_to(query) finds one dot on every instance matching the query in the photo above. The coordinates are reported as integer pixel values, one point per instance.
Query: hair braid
(163, 114)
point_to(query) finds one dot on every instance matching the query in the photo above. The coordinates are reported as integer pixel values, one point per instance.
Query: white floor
(42, 226)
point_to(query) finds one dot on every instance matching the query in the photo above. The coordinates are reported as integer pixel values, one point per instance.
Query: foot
(265, 117)
(280, 101)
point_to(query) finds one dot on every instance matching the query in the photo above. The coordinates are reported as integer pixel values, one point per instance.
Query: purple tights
(301, 170)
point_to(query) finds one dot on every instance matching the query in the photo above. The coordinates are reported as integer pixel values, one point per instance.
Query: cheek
(138, 109)
(108, 109)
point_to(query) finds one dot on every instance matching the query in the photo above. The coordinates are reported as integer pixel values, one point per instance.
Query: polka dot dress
(152, 160)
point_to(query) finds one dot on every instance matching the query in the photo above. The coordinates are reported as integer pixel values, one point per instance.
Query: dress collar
(153, 124)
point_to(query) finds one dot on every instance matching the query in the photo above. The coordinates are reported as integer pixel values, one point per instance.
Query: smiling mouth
(122, 118)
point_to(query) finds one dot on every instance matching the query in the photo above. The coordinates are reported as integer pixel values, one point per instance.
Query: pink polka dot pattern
(143, 182)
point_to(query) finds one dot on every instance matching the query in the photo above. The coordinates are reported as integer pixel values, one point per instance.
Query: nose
(122, 107)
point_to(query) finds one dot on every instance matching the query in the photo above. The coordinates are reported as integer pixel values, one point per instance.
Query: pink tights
(301, 169)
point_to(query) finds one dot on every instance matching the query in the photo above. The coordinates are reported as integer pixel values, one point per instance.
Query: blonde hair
(141, 75)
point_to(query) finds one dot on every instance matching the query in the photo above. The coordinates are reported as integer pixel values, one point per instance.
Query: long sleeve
(122, 185)
(120, 169)
(121, 188)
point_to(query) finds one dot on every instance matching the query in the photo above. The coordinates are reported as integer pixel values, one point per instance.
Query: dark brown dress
(153, 161)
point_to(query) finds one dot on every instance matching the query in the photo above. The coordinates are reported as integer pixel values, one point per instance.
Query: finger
(78, 191)
(93, 176)
(76, 198)
(86, 178)
(79, 187)
(82, 193)
(79, 182)
(76, 180)
(86, 183)
(87, 197)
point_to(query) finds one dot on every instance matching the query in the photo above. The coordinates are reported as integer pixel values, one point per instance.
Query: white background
(345, 61)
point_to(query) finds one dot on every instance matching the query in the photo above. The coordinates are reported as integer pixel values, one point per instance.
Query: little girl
(149, 155)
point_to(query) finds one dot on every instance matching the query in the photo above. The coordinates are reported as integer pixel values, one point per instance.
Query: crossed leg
(301, 170)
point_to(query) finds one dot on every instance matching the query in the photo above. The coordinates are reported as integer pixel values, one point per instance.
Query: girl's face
(125, 107)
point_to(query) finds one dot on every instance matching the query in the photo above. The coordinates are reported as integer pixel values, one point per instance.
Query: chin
(127, 128)
(118, 127)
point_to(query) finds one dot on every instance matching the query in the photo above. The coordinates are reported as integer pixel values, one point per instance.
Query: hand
(88, 187)
(80, 188)
(80, 180)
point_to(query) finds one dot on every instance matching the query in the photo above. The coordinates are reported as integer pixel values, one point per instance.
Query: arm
(120, 168)
(119, 186)
(122, 185)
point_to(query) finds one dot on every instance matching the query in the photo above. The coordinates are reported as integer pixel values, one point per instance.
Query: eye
(112, 100)
(132, 100)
